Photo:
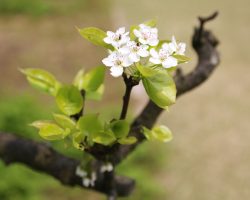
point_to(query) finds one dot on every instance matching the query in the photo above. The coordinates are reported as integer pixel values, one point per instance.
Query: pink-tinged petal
(153, 42)
(143, 53)
(154, 30)
(181, 48)
(174, 41)
(134, 57)
(110, 33)
(107, 61)
(137, 33)
(172, 48)
(121, 30)
(170, 62)
(116, 71)
(154, 53)
(142, 26)
(155, 60)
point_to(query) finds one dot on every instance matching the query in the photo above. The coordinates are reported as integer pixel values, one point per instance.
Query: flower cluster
(87, 181)
(127, 52)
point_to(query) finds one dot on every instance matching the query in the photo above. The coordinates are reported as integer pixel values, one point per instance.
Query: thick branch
(43, 158)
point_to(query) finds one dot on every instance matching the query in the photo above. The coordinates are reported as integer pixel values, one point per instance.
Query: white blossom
(135, 51)
(173, 47)
(86, 182)
(163, 57)
(107, 167)
(147, 35)
(118, 38)
(80, 172)
(117, 61)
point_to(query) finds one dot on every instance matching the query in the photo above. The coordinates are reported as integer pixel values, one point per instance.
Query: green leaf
(96, 36)
(105, 138)
(90, 124)
(42, 80)
(50, 131)
(77, 140)
(162, 133)
(146, 71)
(69, 100)
(64, 121)
(95, 95)
(93, 79)
(78, 80)
(148, 133)
(181, 58)
(128, 140)
(160, 88)
(120, 128)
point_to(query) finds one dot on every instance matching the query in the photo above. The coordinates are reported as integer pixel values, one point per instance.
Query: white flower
(173, 47)
(147, 35)
(108, 167)
(135, 51)
(117, 39)
(86, 182)
(80, 172)
(89, 181)
(163, 57)
(117, 61)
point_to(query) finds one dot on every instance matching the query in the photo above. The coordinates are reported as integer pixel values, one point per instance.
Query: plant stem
(130, 83)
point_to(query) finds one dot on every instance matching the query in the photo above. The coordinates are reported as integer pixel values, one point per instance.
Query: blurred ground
(209, 157)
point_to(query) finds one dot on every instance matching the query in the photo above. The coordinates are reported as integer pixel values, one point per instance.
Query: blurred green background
(208, 159)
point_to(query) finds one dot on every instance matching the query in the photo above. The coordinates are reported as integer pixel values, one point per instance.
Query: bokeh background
(208, 159)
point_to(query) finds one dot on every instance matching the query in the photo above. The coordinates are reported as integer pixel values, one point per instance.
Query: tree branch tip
(208, 18)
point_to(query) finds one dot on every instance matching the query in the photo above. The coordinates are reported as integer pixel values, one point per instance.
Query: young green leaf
(42, 80)
(78, 80)
(77, 140)
(128, 141)
(90, 124)
(146, 71)
(93, 79)
(50, 131)
(160, 88)
(64, 121)
(69, 100)
(106, 138)
(95, 95)
(147, 133)
(162, 133)
(95, 35)
(181, 58)
(120, 128)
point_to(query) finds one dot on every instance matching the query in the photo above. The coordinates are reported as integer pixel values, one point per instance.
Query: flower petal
(143, 53)
(134, 57)
(116, 71)
(170, 62)
(137, 33)
(154, 53)
(155, 60)
(107, 61)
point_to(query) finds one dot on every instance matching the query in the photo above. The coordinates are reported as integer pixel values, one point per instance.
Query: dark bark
(43, 158)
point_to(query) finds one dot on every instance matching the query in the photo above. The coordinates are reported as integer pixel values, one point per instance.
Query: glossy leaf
(160, 88)
(93, 79)
(128, 141)
(78, 80)
(69, 100)
(146, 71)
(90, 124)
(105, 138)
(120, 128)
(64, 121)
(181, 58)
(42, 80)
(95, 95)
(50, 131)
(95, 35)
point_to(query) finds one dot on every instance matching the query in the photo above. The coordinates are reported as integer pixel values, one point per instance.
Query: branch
(43, 158)
(204, 44)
